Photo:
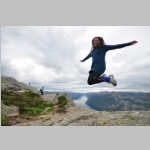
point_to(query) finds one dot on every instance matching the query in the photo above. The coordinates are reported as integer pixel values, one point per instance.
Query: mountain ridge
(120, 101)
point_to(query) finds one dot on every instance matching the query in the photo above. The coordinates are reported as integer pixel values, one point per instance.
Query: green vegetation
(5, 120)
(32, 111)
(29, 103)
(62, 101)
(50, 109)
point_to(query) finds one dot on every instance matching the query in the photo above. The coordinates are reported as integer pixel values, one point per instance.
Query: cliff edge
(77, 116)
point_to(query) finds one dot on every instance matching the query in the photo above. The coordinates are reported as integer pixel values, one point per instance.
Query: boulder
(12, 111)
(53, 98)
(8, 83)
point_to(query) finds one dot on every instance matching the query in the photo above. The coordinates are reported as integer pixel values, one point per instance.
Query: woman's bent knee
(89, 82)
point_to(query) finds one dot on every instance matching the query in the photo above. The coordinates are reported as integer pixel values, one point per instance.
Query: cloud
(49, 56)
(7, 69)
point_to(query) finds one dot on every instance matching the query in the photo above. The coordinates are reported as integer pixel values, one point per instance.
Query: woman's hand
(81, 61)
(134, 42)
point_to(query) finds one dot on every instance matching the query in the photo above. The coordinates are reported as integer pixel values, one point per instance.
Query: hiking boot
(111, 76)
(112, 80)
(104, 75)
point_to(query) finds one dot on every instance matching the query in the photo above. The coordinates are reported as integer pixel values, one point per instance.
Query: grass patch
(49, 109)
(43, 106)
(32, 111)
(26, 99)
(62, 101)
(5, 120)
(29, 103)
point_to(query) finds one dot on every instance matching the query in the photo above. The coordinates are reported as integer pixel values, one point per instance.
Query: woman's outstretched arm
(111, 47)
(87, 57)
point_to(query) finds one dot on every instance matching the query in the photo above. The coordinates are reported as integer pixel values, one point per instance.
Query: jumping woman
(98, 67)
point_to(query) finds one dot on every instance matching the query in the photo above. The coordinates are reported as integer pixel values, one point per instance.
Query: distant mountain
(74, 95)
(119, 101)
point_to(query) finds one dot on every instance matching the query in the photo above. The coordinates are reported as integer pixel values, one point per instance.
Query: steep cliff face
(8, 83)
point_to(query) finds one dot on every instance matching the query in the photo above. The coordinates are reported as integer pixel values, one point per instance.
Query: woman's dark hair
(102, 43)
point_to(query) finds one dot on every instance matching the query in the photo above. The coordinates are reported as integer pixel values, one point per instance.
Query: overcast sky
(49, 56)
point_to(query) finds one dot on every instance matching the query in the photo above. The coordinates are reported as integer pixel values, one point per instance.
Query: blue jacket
(98, 57)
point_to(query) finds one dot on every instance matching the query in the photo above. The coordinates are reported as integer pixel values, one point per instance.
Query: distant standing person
(29, 83)
(42, 90)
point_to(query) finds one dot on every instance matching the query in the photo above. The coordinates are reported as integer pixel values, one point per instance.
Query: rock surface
(8, 83)
(9, 111)
(78, 116)
(53, 98)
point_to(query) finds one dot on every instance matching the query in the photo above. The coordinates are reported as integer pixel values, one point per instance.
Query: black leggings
(41, 93)
(94, 78)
